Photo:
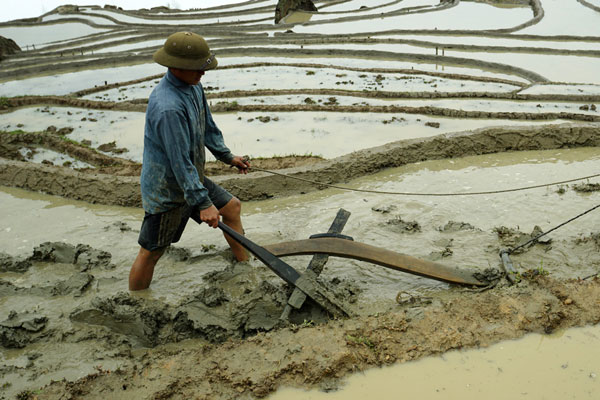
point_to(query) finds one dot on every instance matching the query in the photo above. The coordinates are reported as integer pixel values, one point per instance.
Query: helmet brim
(192, 63)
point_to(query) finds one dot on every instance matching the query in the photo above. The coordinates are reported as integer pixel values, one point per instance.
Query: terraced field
(411, 96)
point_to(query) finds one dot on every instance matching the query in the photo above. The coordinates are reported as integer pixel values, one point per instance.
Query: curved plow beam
(359, 251)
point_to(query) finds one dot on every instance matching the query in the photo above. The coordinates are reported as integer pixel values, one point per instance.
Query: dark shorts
(160, 230)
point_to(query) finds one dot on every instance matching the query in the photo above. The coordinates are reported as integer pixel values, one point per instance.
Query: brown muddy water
(59, 306)
(326, 134)
(560, 366)
(208, 327)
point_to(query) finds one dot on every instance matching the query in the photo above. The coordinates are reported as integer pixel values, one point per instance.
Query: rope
(553, 229)
(459, 194)
(423, 194)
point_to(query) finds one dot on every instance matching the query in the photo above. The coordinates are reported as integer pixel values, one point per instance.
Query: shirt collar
(179, 84)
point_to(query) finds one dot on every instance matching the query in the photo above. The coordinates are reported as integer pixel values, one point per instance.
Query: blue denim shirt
(178, 126)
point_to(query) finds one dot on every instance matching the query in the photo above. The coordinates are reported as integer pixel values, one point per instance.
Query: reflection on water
(566, 17)
(66, 83)
(466, 15)
(561, 366)
(28, 36)
(481, 40)
(328, 134)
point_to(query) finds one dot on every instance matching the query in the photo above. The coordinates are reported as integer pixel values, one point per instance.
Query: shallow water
(557, 68)
(558, 88)
(44, 34)
(99, 127)
(77, 222)
(132, 46)
(181, 21)
(316, 78)
(354, 5)
(45, 155)
(298, 217)
(96, 20)
(464, 16)
(327, 134)
(559, 366)
(495, 41)
(67, 45)
(62, 84)
(369, 63)
(566, 17)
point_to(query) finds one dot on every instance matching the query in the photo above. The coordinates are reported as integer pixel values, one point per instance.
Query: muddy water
(94, 20)
(556, 88)
(126, 129)
(557, 68)
(71, 82)
(560, 366)
(581, 20)
(465, 15)
(552, 67)
(45, 34)
(201, 257)
(475, 247)
(143, 21)
(327, 134)
(333, 134)
(368, 63)
(270, 221)
(495, 41)
(313, 78)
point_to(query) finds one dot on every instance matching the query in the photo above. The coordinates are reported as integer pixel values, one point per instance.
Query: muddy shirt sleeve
(213, 137)
(175, 135)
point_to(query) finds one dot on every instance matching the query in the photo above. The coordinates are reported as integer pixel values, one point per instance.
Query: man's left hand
(241, 163)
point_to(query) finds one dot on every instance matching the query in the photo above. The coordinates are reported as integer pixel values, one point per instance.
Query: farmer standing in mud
(178, 127)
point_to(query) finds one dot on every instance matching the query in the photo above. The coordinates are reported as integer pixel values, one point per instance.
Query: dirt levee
(120, 190)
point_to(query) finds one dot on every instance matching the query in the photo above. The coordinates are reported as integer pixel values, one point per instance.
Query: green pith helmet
(186, 50)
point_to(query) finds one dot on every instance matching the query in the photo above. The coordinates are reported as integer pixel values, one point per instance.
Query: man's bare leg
(231, 214)
(142, 269)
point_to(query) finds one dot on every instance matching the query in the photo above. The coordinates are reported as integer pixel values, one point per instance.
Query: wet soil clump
(587, 187)
(18, 330)
(510, 237)
(319, 355)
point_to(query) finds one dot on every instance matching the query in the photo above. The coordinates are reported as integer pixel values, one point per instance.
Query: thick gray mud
(222, 326)
(235, 302)
(210, 328)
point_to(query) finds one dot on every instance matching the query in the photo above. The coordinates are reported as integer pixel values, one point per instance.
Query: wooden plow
(333, 243)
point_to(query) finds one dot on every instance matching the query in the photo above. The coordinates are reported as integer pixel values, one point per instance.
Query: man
(178, 127)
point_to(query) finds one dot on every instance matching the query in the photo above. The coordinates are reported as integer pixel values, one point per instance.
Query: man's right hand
(210, 215)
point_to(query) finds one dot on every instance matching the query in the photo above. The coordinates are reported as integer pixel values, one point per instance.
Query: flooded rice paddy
(563, 365)
(412, 96)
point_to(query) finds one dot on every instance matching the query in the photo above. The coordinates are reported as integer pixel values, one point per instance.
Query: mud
(20, 330)
(586, 187)
(69, 330)
(510, 238)
(319, 355)
(124, 190)
(226, 334)
(231, 305)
